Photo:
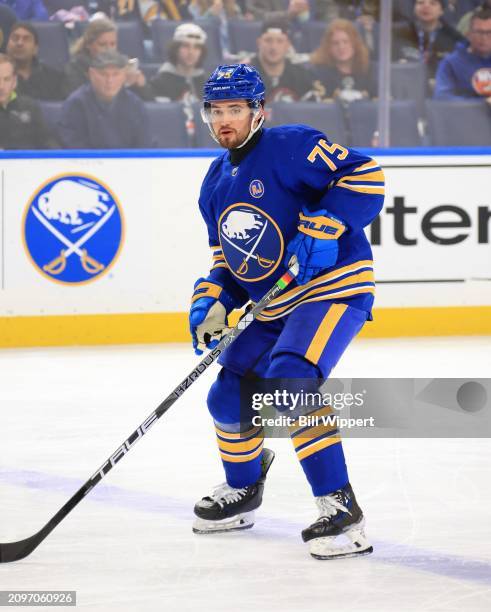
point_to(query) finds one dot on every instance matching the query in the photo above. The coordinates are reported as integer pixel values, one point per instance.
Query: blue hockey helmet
(234, 82)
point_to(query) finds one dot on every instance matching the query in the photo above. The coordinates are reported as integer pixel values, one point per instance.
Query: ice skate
(229, 509)
(339, 530)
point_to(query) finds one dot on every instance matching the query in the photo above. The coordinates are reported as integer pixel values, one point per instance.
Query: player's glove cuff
(320, 224)
(316, 245)
(205, 288)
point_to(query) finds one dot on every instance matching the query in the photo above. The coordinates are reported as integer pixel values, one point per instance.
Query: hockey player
(275, 193)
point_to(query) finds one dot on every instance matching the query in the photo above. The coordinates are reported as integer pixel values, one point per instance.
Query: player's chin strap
(252, 131)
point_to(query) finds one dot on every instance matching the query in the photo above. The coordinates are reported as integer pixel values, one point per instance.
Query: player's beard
(230, 140)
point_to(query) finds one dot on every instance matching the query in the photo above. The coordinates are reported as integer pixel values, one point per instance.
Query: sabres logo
(256, 188)
(225, 74)
(251, 241)
(73, 229)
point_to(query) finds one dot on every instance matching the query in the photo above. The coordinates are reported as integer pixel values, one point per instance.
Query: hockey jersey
(252, 212)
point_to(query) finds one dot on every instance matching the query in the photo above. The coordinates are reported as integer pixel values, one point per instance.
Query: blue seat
(408, 82)
(312, 33)
(167, 125)
(130, 39)
(52, 114)
(403, 123)
(243, 35)
(53, 43)
(163, 30)
(326, 117)
(454, 123)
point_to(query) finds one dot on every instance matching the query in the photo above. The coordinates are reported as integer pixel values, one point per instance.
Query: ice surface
(129, 546)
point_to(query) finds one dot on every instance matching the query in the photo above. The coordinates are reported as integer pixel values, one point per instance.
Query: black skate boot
(339, 530)
(229, 509)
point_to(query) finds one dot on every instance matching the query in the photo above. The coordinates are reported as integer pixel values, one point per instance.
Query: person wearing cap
(104, 114)
(284, 81)
(290, 11)
(34, 77)
(22, 125)
(99, 36)
(182, 76)
(427, 38)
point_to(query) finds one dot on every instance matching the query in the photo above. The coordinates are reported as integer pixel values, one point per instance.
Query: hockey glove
(208, 315)
(316, 244)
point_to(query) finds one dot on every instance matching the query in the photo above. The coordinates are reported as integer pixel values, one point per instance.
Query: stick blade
(14, 551)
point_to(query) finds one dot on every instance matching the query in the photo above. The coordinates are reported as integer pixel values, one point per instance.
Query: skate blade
(235, 523)
(328, 548)
(346, 555)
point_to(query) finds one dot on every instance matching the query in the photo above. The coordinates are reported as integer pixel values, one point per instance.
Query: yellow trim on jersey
(331, 296)
(317, 446)
(362, 188)
(324, 332)
(362, 277)
(376, 176)
(369, 165)
(241, 458)
(288, 295)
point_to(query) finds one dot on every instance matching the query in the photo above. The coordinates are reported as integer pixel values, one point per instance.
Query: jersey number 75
(323, 148)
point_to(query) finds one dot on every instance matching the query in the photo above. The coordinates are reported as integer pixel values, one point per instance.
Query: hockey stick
(13, 551)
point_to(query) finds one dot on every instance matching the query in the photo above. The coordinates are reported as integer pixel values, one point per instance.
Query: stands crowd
(98, 74)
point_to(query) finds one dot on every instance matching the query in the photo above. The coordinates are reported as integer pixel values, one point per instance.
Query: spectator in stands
(221, 11)
(175, 10)
(22, 125)
(100, 36)
(284, 81)
(182, 77)
(267, 10)
(465, 21)
(466, 73)
(214, 8)
(28, 10)
(7, 20)
(104, 114)
(343, 64)
(327, 10)
(366, 14)
(427, 38)
(34, 78)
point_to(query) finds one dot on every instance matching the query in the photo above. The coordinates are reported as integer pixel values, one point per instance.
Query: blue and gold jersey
(253, 210)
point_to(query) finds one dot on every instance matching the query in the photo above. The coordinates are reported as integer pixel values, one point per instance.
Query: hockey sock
(317, 444)
(241, 454)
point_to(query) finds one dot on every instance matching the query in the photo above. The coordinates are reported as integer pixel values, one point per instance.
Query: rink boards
(103, 248)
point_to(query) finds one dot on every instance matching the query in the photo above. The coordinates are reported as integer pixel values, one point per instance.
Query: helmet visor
(227, 112)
